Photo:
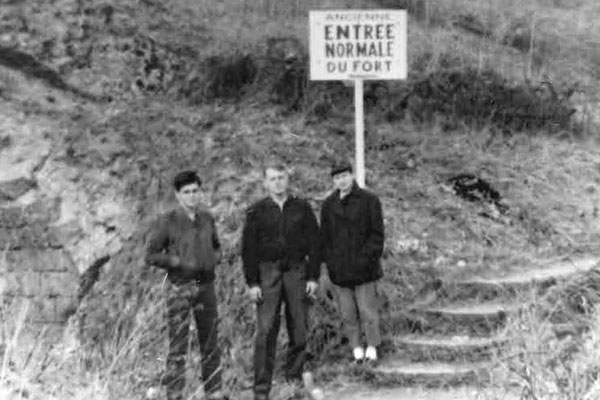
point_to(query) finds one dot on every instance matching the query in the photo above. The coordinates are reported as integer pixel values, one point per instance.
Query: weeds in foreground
(554, 347)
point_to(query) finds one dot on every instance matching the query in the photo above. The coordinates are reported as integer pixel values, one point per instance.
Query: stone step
(395, 370)
(392, 371)
(468, 319)
(516, 282)
(356, 392)
(443, 348)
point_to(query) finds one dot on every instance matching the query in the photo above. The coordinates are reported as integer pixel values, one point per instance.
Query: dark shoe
(260, 396)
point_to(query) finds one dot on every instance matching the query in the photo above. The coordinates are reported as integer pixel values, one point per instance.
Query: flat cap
(338, 168)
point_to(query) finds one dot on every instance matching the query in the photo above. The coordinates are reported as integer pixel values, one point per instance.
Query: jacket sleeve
(157, 245)
(311, 230)
(374, 244)
(250, 258)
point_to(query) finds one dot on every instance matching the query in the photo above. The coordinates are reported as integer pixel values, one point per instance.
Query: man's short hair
(185, 178)
(275, 165)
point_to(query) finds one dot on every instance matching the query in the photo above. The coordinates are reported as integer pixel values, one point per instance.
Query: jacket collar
(348, 206)
(272, 203)
(198, 214)
(354, 190)
(181, 212)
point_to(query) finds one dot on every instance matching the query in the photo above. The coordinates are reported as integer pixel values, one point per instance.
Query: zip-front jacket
(195, 243)
(352, 237)
(286, 235)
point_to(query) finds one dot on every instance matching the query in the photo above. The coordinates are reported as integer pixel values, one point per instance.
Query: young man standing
(185, 244)
(352, 244)
(281, 265)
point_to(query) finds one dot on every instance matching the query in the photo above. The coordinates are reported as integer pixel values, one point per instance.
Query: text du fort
(359, 50)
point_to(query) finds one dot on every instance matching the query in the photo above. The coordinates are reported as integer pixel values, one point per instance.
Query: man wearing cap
(351, 245)
(184, 243)
(281, 265)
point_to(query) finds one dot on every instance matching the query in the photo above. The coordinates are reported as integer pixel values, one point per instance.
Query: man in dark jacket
(352, 244)
(281, 265)
(184, 243)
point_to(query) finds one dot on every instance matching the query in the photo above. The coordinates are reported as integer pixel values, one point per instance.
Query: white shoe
(371, 353)
(359, 353)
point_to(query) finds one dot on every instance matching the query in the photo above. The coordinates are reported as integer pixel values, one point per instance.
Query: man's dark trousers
(201, 300)
(279, 287)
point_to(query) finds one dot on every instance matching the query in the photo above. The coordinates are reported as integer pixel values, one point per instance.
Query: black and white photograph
(299, 200)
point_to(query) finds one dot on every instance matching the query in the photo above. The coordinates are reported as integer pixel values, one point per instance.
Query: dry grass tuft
(550, 358)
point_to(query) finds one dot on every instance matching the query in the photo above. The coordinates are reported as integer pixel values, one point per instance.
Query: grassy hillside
(142, 89)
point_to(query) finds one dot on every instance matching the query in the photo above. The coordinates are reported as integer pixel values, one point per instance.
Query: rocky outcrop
(55, 220)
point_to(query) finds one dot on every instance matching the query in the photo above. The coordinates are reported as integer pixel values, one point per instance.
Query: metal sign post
(356, 45)
(359, 129)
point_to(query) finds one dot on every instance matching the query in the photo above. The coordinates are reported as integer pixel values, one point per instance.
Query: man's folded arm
(157, 244)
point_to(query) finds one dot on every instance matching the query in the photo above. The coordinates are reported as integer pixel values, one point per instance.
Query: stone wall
(34, 269)
(58, 215)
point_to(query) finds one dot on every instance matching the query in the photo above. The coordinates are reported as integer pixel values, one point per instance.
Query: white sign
(357, 44)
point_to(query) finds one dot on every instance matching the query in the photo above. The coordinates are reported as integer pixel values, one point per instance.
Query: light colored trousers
(360, 313)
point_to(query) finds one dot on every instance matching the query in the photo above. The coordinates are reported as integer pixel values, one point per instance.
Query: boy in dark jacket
(184, 243)
(352, 244)
(281, 265)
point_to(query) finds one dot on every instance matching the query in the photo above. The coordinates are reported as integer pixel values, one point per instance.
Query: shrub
(477, 98)
(472, 24)
(227, 76)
